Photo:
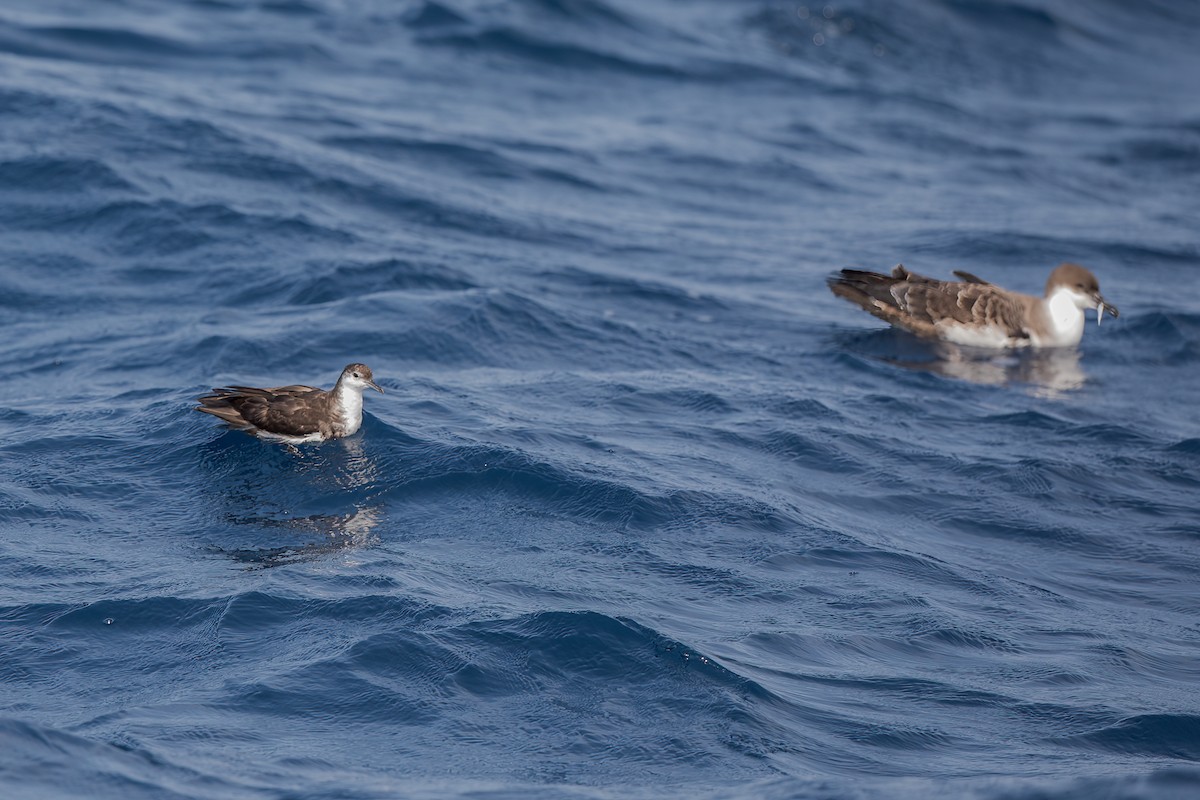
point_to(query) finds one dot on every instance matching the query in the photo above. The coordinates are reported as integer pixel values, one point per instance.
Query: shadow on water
(312, 500)
(1047, 373)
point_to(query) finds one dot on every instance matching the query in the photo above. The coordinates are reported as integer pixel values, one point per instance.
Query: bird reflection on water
(1047, 372)
(321, 498)
(337, 533)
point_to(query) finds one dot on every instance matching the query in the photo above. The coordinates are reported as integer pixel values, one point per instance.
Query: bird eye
(359, 376)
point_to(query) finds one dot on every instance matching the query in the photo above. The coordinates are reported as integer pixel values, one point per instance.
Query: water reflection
(299, 503)
(1049, 372)
(355, 469)
(336, 533)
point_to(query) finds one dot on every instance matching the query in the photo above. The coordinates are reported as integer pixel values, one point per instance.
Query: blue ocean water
(645, 511)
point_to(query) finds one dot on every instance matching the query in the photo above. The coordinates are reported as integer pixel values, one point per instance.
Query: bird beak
(1102, 306)
(375, 386)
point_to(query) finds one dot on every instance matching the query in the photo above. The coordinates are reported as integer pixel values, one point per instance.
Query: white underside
(977, 336)
(279, 437)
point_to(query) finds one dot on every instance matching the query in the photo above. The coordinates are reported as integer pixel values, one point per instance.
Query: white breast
(1066, 320)
(350, 402)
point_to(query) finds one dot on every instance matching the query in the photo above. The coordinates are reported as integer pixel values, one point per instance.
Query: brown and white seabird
(294, 414)
(977, 313)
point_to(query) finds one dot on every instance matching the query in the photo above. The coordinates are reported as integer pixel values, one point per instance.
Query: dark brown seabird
(294, 414)
(977, 313)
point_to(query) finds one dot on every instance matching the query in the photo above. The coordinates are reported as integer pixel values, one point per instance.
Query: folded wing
(286, 410)
(927, 306)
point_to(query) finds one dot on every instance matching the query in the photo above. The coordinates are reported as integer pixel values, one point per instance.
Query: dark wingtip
(970, 277)
(858, 275)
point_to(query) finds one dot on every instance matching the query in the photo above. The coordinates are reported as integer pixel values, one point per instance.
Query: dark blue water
(645, 511)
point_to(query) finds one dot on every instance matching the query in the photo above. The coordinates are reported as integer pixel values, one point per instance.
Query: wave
(583, 669)
(1174, 736)
(352, 281)
(85, 43)
(470, 160)
(43, 761)
(67, 175)
(640, 512)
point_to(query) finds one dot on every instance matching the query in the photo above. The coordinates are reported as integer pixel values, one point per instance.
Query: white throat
(1065, 316)
(349, 404)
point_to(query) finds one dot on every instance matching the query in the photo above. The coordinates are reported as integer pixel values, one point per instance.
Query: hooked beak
(375, 386)
(1102, 306)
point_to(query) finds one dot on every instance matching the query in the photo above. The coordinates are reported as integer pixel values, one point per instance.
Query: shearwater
(974, 312)
(294, 414)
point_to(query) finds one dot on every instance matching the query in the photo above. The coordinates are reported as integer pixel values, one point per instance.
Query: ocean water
(645, 511)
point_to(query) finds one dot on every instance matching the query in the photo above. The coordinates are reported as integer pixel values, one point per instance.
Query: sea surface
(646, 511)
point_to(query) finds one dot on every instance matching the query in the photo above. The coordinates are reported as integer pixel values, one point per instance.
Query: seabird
(973, 312)
(294, 414)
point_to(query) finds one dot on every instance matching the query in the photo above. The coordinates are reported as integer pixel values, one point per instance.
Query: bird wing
(920, 304)
(286, 410)
(978, 304)
(874, 292)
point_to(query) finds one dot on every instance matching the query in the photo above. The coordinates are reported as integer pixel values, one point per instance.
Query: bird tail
(218, 405)
(868, 289)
